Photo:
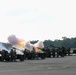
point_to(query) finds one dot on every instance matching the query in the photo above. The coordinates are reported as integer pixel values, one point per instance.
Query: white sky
(37, 19)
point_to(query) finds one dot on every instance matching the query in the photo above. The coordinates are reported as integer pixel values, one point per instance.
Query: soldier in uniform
(53, 52)
(48, 52)
(13, 55)
(58, 49)
(33, 53)
(63, 51)
(6, 56)
(2, 55)
(25, 54)
(68, 51)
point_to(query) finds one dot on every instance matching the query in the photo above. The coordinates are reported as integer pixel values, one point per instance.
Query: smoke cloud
(29, 46)
(21, 44)
(39, 44)
(12, 39)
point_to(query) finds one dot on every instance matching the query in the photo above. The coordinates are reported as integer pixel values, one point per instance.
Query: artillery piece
(34, 54)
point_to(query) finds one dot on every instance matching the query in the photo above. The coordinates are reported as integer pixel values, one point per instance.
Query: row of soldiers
(50, 52)
(57, 51)
(8, 56)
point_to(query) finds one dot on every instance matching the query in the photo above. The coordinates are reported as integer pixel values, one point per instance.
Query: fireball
(21, 43)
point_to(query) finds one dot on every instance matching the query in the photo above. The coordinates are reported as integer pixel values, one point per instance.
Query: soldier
(13, 55)
(33, 53)
(6, 56)
(68, 51)
(63, 51)
(48, 52)
(58, 49)
(2, 55)
(25, 54)
(53, 52)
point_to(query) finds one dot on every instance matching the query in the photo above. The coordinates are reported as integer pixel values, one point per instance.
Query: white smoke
(29, 46)
(39, 44)
(14, 41)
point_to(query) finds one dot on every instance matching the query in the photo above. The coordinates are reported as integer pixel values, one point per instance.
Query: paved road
(49, 66)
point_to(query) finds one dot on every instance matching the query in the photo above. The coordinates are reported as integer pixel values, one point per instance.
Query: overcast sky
(37, 19)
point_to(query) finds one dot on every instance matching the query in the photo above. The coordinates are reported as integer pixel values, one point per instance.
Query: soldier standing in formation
(68, 51)
(62, 51)
(2, 55)
(53, 52)
(48, 52)
(58, 49)
(13, 55)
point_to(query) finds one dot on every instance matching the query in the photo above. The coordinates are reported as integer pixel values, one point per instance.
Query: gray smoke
(12, 39)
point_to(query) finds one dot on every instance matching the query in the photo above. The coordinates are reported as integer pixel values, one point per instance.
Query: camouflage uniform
(68, 51)
(2, 55)
(13, 55)
(53, 52)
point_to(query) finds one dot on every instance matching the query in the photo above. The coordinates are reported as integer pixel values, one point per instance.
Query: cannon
(34, 54)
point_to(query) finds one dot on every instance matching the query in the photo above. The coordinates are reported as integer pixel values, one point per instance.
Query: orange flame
(21, 42)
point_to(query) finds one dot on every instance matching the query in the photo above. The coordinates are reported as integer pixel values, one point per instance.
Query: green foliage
(33, 42)
(47, 43)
